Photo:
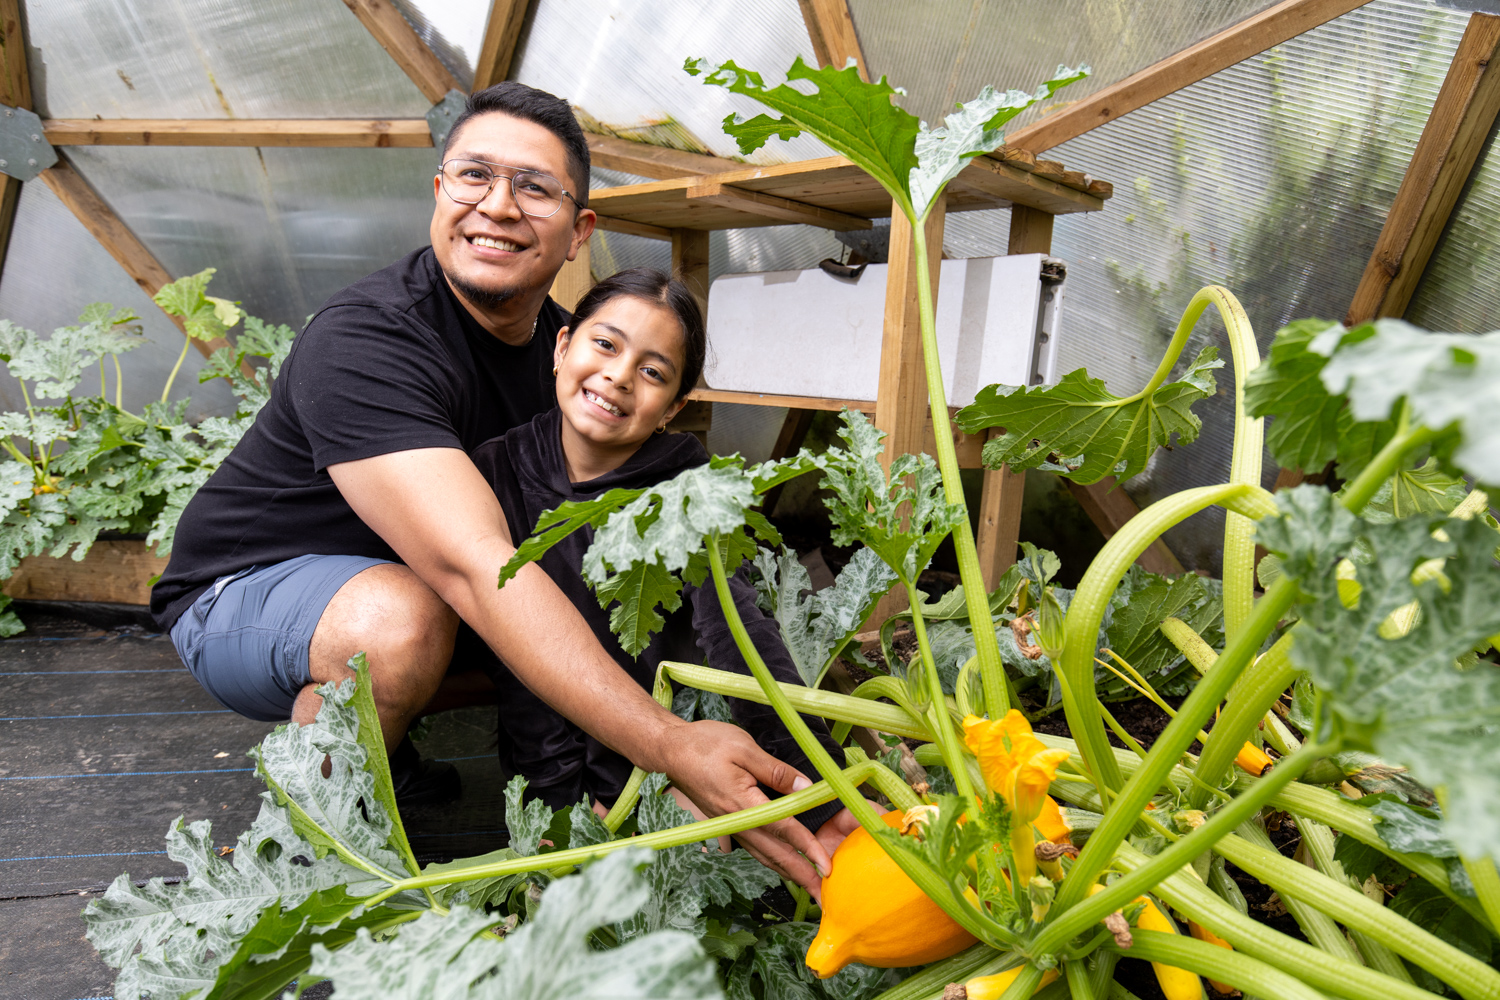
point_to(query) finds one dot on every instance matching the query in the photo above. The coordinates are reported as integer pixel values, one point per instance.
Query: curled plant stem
(1258, 689)
(976, 596)
(1086, 611)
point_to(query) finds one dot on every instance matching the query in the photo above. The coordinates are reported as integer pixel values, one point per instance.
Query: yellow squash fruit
(992, 987)
(1204, 934)
(1253, 759)
(1175, 983)
(875, 915)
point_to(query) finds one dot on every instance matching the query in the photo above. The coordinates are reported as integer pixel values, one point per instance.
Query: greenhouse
(784, 500)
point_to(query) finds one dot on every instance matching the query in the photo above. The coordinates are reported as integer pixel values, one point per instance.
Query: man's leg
(406, 633)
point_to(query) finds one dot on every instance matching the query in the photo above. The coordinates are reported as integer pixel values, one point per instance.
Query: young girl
(624, 368)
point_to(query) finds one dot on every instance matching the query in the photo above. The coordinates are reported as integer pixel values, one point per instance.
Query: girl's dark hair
(654, 286)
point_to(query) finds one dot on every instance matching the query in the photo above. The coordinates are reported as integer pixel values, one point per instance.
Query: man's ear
(583, 228)
(564, 337)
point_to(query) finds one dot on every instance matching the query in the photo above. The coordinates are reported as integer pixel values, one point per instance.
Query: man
(350, 517)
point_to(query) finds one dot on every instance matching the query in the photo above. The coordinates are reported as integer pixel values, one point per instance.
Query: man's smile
(494, 243)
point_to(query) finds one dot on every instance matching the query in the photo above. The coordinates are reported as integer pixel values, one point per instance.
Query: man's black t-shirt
(391, 363)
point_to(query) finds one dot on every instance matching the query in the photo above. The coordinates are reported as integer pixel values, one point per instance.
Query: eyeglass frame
(512, 178)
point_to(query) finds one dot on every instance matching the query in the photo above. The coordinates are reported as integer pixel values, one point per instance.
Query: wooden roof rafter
(830, 28)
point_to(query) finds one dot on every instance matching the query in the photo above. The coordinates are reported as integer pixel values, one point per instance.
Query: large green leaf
(555, 525)
(1408, 698)
(1425, 490)
(342, 812)
(203, 316)
(903, 521)
(1447, 379)
(1143, 601)
(816, 628)
(858, 120)
(1310, 426)
(455, 957)
(1092, 432)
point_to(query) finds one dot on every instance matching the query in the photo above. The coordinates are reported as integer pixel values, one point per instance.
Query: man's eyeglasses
(469, 182)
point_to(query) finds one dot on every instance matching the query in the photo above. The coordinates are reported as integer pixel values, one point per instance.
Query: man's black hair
(529, 104)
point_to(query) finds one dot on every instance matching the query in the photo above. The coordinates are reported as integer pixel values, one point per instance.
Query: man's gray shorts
(246, 639)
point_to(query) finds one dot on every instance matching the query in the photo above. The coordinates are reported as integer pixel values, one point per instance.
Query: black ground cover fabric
(105, 739)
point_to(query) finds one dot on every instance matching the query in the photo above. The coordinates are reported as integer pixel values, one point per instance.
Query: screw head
(35, 137)
(3, 164)
(9, 113)
(31, 162)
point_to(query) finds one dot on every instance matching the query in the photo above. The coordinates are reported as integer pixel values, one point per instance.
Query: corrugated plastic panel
(453, 29)
(212, 59)
(620, 63)
(285, 227)
(1460, 290)
(1272, 178)
(945, 51)
(54, 269)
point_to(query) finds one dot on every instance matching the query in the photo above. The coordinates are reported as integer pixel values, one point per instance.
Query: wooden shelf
(835, 193)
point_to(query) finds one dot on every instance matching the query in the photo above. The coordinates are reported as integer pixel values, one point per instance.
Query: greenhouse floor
(104, 741)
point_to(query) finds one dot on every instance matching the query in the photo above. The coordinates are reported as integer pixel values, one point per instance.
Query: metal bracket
(24, 151)
(440, 116)
(1054, 274)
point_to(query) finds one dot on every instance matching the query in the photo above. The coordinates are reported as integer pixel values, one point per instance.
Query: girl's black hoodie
(563, 764)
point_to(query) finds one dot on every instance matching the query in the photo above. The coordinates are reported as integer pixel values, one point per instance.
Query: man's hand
(719, 766)
(832, 833)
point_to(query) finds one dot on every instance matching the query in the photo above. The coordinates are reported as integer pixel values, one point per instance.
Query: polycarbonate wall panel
(1272, 178)
(1460, 290)
(620, 62)
(453, 29)
(54, 269)
(945, 51)
(285, 227)
(212, 59)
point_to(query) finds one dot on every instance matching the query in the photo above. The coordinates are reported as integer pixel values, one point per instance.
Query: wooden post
(690, 262)
(1003, 491)
(1110, 507)
(831, 31)
(901, 405)
(573, 280)
(15, 90)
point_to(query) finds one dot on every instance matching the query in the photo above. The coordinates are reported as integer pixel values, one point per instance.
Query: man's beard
(483, 298)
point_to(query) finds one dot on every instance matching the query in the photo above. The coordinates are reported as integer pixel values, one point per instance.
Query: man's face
(493, 251)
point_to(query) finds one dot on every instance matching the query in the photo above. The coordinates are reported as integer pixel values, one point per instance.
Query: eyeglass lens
(469, 181)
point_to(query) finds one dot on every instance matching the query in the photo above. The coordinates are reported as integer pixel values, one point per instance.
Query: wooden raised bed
(115, 571)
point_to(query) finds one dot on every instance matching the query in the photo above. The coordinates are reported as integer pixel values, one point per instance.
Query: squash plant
(85, 464)
(1377, 606)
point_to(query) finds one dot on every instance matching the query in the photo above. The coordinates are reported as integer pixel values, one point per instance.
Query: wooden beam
(117, 572)
(112, 233)
(612, 225)
(573, 280)
(1109, 507)
(401, 41)
(790, 402)
(1039, 189)
(1460, 123)
(501, 33)
(690, 262)
(772, 207)
(657, 162)
(1236, 43)
(406, 133)
(831, 31)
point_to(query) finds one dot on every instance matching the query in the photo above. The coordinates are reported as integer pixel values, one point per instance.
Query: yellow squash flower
(1016, 765)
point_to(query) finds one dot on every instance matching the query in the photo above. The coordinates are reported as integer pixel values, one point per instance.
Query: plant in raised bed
(86, 464)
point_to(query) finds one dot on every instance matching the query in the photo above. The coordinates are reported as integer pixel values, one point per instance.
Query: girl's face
(617, 378)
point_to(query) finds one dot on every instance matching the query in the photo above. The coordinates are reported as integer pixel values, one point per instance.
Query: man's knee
(389, 614)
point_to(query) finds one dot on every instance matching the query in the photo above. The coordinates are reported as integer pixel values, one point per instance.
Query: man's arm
(435, 510)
